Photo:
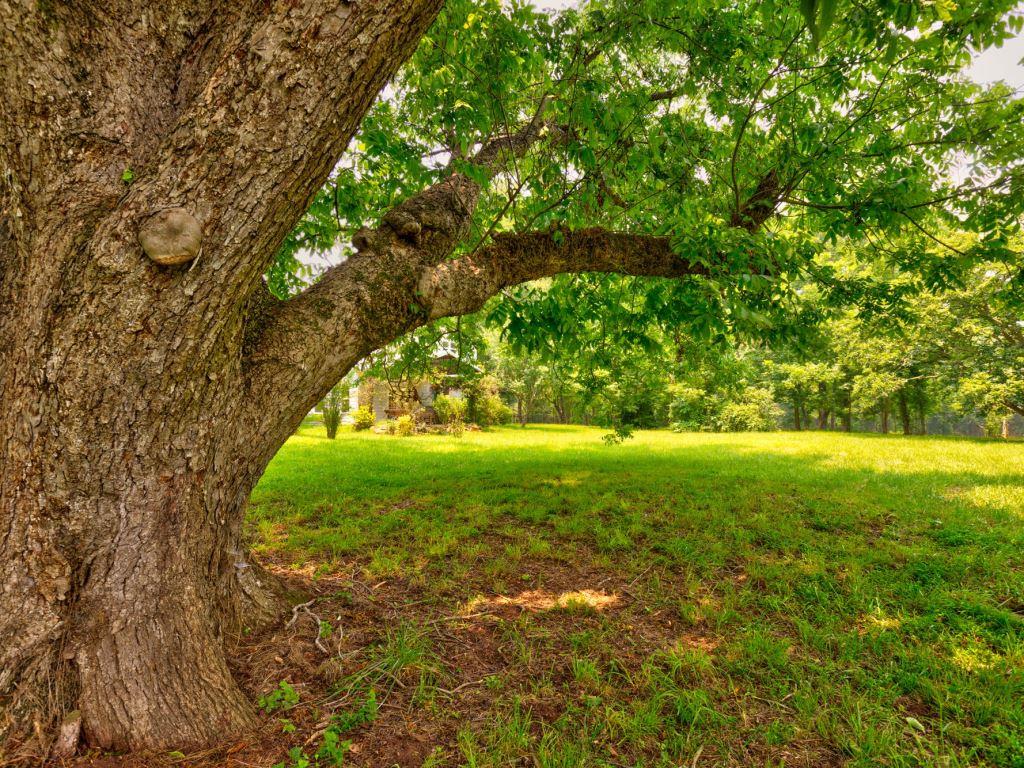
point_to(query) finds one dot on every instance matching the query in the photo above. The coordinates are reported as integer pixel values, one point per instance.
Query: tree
(523, 376)
(806, 385)
(978, 330)
(164, 164)
(873, 393)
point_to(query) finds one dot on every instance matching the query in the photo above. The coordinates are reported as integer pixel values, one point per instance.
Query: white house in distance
(379, 397)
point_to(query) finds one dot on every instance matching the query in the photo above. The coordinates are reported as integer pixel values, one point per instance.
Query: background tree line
(947, 360)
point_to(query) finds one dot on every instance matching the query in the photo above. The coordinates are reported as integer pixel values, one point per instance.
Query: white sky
(1001, 64)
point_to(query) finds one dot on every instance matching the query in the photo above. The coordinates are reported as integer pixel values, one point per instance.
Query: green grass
(775, 599)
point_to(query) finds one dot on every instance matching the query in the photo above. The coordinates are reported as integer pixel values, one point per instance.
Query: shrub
(491, 409)
(690, 410)
(332, 418)
(363, 418)
(331, 408)
(756, 412)
(450, 409)
(405, 425)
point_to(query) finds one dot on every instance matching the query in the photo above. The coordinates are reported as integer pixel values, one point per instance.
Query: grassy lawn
(535, 597)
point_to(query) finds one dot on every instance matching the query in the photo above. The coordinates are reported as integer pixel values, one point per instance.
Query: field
(536, 597)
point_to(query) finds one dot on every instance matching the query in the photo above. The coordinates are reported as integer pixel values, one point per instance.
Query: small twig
(195, 261)
(317, 639)
(295, 612)
(459, 617)
(642, 574)
(458, 688)
(773, 702)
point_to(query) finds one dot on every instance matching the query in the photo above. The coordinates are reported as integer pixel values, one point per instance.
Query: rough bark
(126, 457)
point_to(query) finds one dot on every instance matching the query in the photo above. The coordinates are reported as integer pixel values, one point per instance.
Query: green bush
(690, 410)
(331, 408)
(756, 412)
(491, 410)
(405, 426)
(332, 418)
(450, 409)
(362, 419)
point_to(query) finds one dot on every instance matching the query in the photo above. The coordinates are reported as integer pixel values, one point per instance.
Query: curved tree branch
(461, 286)
(401, 277)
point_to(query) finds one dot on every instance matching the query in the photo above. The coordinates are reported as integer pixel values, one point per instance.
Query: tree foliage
(732, 130)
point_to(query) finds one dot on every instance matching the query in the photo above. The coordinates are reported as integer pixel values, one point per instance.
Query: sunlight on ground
(994, 496)
(540, 600)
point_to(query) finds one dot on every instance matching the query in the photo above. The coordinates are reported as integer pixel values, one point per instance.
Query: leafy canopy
(756, 135)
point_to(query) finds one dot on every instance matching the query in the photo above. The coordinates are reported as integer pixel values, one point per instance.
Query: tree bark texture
(140, 403)
(125, 418)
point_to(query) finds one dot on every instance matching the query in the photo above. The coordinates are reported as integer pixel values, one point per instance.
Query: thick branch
(462, 285)
(306, 344)
(436, 219)
(400, 278)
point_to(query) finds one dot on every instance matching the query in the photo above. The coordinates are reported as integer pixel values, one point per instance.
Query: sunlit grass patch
(766, 599)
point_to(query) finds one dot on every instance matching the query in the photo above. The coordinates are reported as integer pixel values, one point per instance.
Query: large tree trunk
(129, 446)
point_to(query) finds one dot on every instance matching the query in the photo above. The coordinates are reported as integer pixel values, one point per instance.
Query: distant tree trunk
(822, 410)
(523, 411)
(796, 416)
(561, 410)
(885, 418)
(1006, 429)
(904, 409)
(847, 413)
(832, 421)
